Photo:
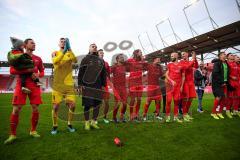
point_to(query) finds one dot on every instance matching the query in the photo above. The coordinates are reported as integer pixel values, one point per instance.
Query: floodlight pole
(150, 41)
(211, 20)
(189, 25)
(175, 35)
(141, 43)
(208, 13)
(173, 31)
(163, 42)
(238, 5)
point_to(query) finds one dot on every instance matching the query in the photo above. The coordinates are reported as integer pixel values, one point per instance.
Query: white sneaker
(105, 120)
(39, 83)
(200, 111)
(159, 118)
(144, 118)
(26, 90)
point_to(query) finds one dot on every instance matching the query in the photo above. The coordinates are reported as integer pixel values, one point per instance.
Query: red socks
(176, 107)
(235, 104)
(168, 107)
(215, 104)
(137, 109)
(146, 106)
(13, 123)
(222, 104)
(115, 112)
(34, 120)
(123, 110)
(157, 109)
(189, 105)
(14, 119)
(131, 112)
(229, 103)
(184, 106)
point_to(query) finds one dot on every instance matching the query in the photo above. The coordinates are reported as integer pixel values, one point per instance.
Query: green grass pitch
(203, 138)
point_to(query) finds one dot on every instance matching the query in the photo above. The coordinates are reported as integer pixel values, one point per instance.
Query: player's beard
(121, 62)
(138, 58)
(94, 53)
(173, 59)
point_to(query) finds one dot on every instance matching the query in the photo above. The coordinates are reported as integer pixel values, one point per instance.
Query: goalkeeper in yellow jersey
(63, 83)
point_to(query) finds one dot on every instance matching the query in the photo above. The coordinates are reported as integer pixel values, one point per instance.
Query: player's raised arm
(193, 63)
(67, 48)
(58, 56)
(194, 59)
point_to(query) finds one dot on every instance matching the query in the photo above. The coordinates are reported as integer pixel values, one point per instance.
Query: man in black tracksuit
(91, 80)
(220, 77)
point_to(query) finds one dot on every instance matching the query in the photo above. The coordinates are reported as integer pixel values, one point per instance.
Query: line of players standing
(176, 84)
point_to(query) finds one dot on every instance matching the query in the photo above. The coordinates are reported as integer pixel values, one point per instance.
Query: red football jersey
(188, 67)
(233, 72)
(135, 68)
(175, 72)
(154, 73)
(119, 75)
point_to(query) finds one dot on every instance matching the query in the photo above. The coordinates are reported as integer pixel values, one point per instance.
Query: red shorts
(135, 86)
(174, 93)
(188, 90)
(120, 94)
(233, 94)
(153, 92)
(19, 98)
(237, 91)
(135, 91)
(154, 98)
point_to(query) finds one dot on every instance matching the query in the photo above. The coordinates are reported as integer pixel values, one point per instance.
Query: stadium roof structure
(215, 40)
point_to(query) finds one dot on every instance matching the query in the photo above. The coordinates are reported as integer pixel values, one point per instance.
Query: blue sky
(101, 21)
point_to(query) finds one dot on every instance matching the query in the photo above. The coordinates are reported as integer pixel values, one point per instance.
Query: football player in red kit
(174, 76)
(135, 82)
(19, 98)
(237, 60)
(106, 95)
(118, 72)
(154, 91)
(231, 99)
(188, 92)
